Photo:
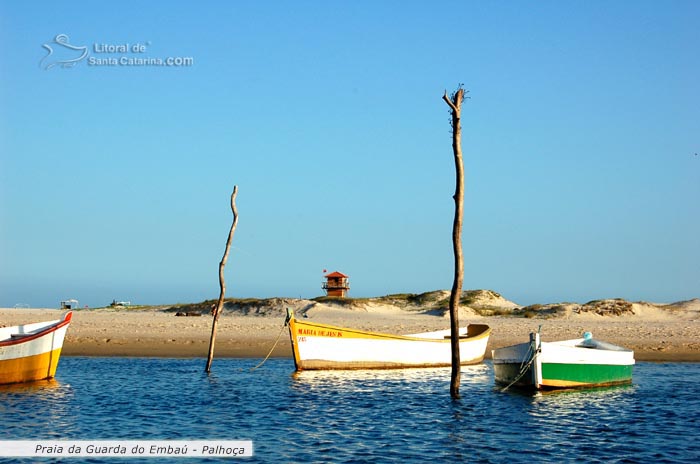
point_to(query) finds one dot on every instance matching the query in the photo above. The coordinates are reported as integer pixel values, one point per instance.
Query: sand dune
(658, 332)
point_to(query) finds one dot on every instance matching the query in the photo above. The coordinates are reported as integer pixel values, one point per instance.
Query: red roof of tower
(336, 274)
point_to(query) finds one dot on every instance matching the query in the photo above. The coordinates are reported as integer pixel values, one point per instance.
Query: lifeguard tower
(336, 284)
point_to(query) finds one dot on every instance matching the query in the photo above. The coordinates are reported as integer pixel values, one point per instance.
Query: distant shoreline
(654, 334)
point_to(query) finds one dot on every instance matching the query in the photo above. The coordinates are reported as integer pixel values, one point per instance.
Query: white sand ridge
(473, 304)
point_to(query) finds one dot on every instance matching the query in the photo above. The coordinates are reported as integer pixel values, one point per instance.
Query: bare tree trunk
(455, 104)
(216, 312)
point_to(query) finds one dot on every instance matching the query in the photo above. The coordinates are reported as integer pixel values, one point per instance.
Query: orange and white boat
(320, 346)
(31, 351)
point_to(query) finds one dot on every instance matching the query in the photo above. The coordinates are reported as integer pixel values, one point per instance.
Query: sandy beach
(654, 334)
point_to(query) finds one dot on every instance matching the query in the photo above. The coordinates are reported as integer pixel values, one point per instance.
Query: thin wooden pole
(455, 104)
(222, 284)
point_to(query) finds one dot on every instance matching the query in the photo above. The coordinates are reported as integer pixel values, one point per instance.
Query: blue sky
(579, 139)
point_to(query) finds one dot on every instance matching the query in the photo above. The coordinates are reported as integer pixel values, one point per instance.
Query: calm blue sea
(357, 417)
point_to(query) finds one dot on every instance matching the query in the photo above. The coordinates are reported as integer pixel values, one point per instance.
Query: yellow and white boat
(30, 352)
(320, 346)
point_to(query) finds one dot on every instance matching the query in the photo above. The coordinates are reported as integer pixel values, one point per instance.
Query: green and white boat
(578, 363)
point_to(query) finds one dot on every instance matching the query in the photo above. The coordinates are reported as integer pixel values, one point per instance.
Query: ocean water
(357, 417)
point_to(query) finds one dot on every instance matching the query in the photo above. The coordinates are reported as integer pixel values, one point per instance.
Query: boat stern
(518, 365)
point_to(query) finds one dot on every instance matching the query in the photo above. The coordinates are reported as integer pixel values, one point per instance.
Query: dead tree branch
(216, 312)
(455, 104)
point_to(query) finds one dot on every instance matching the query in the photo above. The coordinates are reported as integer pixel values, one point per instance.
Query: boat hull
(321, 347)
(559, 365)
(563, 375)
(31, 352)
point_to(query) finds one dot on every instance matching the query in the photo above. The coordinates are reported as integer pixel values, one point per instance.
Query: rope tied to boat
(279, 335)
(524, 367)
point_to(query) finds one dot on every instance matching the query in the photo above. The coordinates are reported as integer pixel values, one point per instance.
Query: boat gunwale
(485, 333)
(64, 321)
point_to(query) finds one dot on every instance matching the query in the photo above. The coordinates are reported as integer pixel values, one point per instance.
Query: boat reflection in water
(52, 402)
(384, 379)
